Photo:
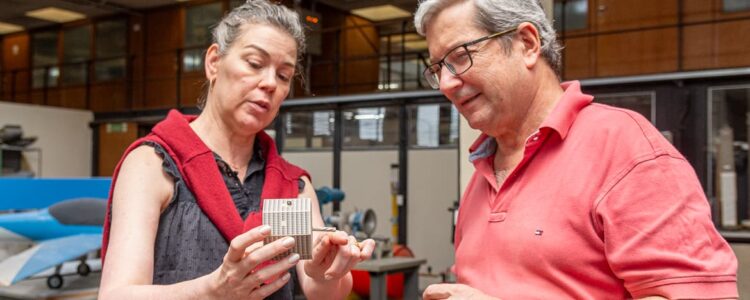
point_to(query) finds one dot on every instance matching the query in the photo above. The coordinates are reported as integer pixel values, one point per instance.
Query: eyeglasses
(458, 60)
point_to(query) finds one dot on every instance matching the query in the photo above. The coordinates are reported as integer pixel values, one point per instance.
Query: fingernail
(265, 229)
(285, 277)
(288, 242)
(293, 258)
(328, 277)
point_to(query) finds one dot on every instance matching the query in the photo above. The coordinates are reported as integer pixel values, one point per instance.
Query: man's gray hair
(258, 12)
(499, 15)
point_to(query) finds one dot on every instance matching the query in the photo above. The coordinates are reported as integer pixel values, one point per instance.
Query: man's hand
(335, 254)
(453, 292)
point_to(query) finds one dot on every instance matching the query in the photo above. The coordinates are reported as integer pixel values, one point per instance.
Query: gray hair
(256, 12)
(499, 15)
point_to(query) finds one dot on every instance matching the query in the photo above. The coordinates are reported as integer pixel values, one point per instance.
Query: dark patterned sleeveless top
(188, 245)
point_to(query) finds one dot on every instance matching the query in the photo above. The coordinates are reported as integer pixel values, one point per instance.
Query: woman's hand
(238, 276)
(335, 254)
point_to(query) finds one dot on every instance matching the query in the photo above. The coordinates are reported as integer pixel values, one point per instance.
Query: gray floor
(743, 271)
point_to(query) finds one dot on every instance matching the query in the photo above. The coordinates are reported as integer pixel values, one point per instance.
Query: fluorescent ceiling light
(381, 13)
(6, 28)
(54, 14)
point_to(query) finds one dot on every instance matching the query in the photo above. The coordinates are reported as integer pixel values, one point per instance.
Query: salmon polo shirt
(600, 207)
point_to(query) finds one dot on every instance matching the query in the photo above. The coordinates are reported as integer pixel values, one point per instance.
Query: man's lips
(467, 100)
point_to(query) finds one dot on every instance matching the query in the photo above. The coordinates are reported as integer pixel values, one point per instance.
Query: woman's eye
(254, 65)
(285, 77)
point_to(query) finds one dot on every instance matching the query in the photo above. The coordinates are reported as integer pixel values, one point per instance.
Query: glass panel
(198, 22)
(109, 69)
(77, 44)
(74, 74)
(433, 125)
(37, 77)
(576, 14)
(371, 126)
(308, 130)
(44, 48)
(111, 39)
(192, 60)
(728, 155)
(736, 5)
(76, 50)
(639, 102)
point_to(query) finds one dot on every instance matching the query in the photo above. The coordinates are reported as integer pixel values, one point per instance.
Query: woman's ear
(212, 63)
(532, 43)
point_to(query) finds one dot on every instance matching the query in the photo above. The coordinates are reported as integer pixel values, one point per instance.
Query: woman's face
(253, 77)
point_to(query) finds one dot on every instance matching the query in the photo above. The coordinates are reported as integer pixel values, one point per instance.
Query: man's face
(485, 94)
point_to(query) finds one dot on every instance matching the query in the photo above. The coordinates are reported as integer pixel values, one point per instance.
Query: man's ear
(531, 42)
(212, 63)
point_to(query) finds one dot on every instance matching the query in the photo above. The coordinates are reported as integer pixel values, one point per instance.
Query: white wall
(433, 187)
(62, 134)
(365, 178)
(320, 167)
(468, 135)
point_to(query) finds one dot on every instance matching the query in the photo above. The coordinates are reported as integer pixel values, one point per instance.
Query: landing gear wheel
(83, 269)
(54, 281)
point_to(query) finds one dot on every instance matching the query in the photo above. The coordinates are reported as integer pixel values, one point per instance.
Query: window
(76, 51)
(111, 50)
(199, 20)
(44, 59)
(392, 72)
(641, 102)
(727, 181)
(308, 130)
(433, 125)
(370, 126)
(731, 6)
(575, 15)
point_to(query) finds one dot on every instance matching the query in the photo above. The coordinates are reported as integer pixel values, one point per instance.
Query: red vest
(198, 167)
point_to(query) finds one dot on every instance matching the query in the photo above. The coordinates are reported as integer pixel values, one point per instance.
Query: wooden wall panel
(161, 93)
(164, 30)
(109, 97)
(16, 60)
(136, 45)
(699, 10)
(578, 59)
(360, 75)
(112, 145)
(191, 87)
(15, 54)
(619, 14)
(638, 52)
(73, 97)
(717, 45)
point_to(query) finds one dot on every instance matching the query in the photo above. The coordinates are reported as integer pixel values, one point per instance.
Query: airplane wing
(45, 255)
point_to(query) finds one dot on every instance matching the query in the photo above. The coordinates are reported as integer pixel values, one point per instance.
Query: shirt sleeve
(658, 234)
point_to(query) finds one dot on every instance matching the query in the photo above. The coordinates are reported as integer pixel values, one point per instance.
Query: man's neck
(512, 141)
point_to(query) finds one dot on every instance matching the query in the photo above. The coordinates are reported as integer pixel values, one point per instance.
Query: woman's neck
(235, 149)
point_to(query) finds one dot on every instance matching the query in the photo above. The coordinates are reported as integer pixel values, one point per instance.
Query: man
(569, 199)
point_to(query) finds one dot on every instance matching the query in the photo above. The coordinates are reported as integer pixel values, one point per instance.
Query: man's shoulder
(625, 130)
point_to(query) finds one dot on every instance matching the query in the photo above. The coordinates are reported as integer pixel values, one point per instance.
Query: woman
(184, 218)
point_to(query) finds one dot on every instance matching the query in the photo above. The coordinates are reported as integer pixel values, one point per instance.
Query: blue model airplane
(65, 231)
(35, 211)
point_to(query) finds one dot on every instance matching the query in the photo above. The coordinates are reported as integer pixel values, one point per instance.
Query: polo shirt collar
(565, 112)
(559, 120)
